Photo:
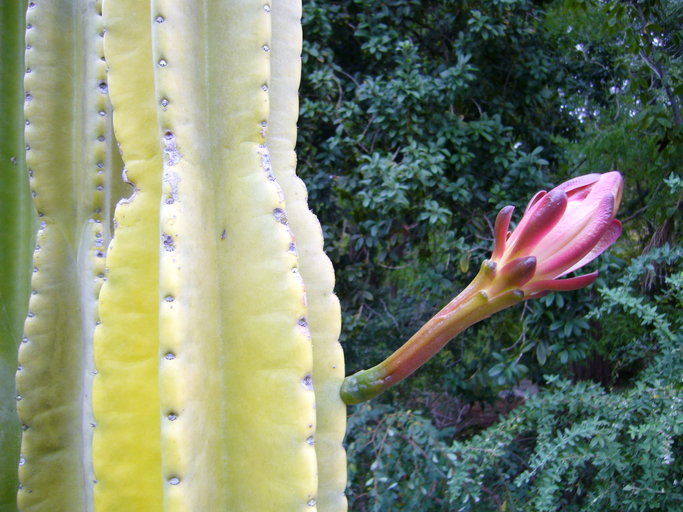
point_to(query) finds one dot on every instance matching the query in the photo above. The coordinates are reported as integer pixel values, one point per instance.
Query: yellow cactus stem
(324, 314)
(236, 397)
(179, 376)
(224, 398)
(126, 444)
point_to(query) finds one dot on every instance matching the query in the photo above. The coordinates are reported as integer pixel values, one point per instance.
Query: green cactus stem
(16, 235)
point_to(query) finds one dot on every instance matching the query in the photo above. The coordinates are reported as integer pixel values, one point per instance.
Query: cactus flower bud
(561, 231)
(564, 230)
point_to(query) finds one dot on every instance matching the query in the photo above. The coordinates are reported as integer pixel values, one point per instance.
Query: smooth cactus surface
(324, 316)
(127, 451)
(239, 385)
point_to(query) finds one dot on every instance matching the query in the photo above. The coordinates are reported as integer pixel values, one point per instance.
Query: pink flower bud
(562, 230)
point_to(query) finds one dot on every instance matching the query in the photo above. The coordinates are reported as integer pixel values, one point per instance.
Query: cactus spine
(205, 374)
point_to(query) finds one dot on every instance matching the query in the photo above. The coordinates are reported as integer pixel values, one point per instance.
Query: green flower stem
(471, 306)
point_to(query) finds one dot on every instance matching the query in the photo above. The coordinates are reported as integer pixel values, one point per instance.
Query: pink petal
(537, 223)
(537, 197)
(500, 231)
(514, 275)
(579, 194)
(579, 218)
(578, 184)
(560, 285)
(608, 238)
(609, 183)
(582, 243)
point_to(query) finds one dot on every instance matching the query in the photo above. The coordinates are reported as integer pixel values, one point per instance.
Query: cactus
(72, 164)
(191, 361)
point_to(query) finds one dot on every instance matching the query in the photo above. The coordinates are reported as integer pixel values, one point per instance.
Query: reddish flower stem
(469, 307)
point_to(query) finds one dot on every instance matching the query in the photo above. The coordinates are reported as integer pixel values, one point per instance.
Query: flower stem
(469, 307)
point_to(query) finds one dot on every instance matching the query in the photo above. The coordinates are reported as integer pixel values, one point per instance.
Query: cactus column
(16, 233)
(324, 316)
(181, 374)
(195, 98)
(72, 165)
(233, 300)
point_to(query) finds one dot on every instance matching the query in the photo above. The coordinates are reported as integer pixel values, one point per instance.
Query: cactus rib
(324, 316)
(231, 297)
(16, 237)
(126, 449)
(70, 174)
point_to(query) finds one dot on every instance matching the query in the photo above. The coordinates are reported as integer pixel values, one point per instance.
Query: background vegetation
(419, 120)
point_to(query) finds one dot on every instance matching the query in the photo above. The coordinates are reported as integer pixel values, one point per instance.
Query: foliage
(418, 121)
(406, 456)
(570, 447)
(577, 447)
(635, 324)
(639, 48)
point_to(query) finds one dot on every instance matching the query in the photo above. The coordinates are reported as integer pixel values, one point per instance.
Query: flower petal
(579, 184)
(513, 276)
(537, 223)
(537, 197)
(580, 218)
(609, 183)
(610, 236)
(575, 247)
(560, 285)
(500, 231)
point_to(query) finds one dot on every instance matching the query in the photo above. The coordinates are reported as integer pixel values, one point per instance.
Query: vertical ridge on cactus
(126, 445)
(235, 403)
(16, 234)
(240, 382)
(324, 315)
(65, 86)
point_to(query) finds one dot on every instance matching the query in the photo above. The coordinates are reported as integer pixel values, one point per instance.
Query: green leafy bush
(571, 447)
(418, 120)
